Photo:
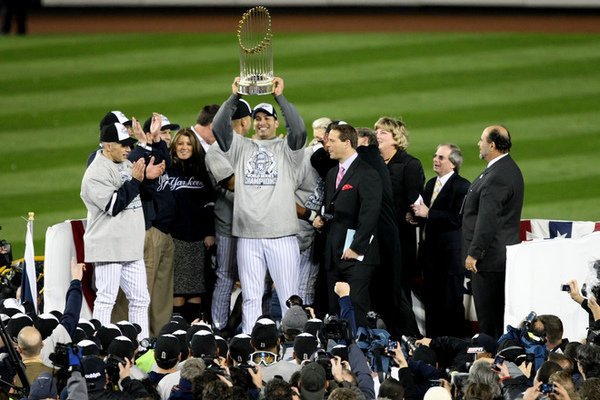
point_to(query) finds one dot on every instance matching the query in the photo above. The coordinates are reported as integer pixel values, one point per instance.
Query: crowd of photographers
(59, 355)
(298, 357)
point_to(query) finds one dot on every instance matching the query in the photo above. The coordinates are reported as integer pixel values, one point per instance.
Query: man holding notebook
(349, 216)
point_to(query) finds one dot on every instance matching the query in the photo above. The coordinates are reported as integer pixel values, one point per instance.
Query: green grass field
(447, 87)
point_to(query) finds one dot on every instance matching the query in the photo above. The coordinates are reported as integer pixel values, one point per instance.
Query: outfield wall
(325, 3)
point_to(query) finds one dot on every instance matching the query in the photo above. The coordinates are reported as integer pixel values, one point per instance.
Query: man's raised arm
(294, 125)
(221, 125)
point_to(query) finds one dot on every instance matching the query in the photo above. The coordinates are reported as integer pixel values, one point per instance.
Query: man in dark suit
(440, 252)
(351, 211)
(491, 219)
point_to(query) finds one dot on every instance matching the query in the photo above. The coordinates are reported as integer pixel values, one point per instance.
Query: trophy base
(260, 89)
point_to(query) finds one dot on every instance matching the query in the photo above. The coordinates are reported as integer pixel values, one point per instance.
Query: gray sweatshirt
(265, 171)
(115, 228)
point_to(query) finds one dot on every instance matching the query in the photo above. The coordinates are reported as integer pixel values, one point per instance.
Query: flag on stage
(532, 229)
(28, 283)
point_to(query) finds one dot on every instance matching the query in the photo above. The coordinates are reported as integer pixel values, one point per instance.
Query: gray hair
(321, 123)
(455, 157)
(481, 372)
(192, 368)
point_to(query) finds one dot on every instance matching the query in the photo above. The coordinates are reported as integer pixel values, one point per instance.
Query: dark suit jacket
(492, 214)
(408, 178)
(443, 237)
(355, 204)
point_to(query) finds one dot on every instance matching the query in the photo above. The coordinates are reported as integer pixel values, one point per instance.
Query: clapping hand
(138, 132)
(153, 170)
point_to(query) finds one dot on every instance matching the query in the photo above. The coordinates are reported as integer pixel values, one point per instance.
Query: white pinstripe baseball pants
(131, 277)
(255, 256)
(307, 276)
(226, 273)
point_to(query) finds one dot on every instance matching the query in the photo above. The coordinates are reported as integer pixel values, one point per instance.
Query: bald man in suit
(491, 219)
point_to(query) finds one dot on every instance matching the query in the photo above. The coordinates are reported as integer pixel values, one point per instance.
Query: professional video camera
(60, 357)
(337, 329)
(530, 331)
(529, 335)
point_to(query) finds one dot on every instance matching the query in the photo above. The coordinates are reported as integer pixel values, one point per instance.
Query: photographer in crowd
(65, 329)
(590, 305)
(402, 373)
(103, 385)
(36, 340)
(531, 335)
(457, 354)
(357, 362)
(553, 328)
(267, 351)
(292, 324)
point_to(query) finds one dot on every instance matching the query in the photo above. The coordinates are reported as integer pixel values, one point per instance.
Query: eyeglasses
(263, 357)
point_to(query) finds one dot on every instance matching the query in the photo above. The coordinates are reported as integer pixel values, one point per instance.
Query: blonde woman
(408, 178)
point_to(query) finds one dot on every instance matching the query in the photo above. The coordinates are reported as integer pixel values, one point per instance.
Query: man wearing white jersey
(114, 238)
(264, 213)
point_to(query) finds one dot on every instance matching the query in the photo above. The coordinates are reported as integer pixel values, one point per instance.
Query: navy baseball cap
(264, 334)
(117, 133)
(484, 341)
(305, 345)
(242, 110)
(203, 344)
(45, 324)
(114, 117)
(240, 348)
(165, 124)
(266, 108)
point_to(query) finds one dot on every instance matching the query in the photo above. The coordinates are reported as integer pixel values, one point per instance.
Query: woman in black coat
(408, 178)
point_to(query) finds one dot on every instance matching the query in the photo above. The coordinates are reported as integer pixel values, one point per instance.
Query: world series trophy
(256, 53)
